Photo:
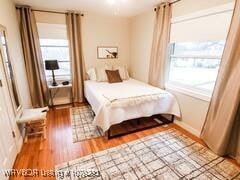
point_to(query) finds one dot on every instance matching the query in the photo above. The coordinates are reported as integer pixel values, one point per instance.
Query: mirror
(9, 72)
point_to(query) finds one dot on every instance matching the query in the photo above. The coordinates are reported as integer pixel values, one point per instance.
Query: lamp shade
(51, 64)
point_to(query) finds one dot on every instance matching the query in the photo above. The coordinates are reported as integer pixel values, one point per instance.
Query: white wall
(193, 109)
(102, 30)
(8, 19)
(141, 43)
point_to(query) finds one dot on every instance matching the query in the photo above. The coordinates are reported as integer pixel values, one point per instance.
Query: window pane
(56, 49)
(58, 53)
(196, 64)
(210, 48)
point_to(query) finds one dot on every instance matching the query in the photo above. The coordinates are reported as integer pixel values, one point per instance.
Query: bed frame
(163, 120)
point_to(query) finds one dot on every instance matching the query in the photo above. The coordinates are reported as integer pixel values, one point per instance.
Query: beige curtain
(77, 63)
(159, 45)
(221, 130)
(33, 58)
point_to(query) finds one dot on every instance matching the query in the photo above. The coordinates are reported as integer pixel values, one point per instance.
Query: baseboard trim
(188, 128)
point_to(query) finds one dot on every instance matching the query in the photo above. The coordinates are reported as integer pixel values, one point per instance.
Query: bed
(130, 99)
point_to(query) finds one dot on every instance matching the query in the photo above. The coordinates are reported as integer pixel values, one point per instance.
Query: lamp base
(54, 84)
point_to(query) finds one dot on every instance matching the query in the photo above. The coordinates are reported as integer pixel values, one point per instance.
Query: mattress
(143, 101)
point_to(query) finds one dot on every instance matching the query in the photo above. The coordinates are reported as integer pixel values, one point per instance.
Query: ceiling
(110, 7)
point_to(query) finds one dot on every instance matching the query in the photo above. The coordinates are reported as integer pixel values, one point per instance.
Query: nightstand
(58, 87)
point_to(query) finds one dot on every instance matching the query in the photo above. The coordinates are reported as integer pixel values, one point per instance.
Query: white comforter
(117, 102)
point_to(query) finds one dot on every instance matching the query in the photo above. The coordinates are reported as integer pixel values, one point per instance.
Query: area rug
(167, 155)
(81, 123)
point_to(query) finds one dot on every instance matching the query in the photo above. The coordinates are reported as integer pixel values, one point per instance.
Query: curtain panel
(76, 56)
(221, 131)
(159, 45)
(33, 57)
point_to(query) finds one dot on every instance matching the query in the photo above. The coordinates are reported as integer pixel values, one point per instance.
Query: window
(57, 49)
(195, 64)
(54, 45)
(196, 46)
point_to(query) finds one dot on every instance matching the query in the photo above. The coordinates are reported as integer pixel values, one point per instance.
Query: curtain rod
(175, 2)
(169, 3)
(47, 11)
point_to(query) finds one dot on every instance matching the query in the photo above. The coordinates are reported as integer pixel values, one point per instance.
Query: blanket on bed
(130, 99)
(130, 96)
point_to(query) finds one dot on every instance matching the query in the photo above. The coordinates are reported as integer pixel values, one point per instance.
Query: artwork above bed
(107, 52)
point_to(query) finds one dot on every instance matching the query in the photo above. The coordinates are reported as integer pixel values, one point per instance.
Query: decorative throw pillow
(113, 76)
(101, 74)
(92, 74)
(122, 71)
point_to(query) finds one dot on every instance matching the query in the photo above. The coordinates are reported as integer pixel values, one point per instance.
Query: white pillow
(122, 71)
(101, 74)
(92, 74)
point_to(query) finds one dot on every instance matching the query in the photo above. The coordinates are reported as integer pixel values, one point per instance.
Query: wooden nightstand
(58, 87)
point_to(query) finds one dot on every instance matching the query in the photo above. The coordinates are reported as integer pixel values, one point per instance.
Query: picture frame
(107, 52)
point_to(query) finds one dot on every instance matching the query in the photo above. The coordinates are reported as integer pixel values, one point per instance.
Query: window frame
(189, 90)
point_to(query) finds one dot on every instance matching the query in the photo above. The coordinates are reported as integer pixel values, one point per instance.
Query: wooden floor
(58, 147)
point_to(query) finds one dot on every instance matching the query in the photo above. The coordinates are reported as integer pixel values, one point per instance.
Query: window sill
(189, 92)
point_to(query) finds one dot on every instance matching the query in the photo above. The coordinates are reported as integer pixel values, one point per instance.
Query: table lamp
(52, 65)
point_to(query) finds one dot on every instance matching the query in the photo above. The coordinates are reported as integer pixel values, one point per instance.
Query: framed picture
(107, 52)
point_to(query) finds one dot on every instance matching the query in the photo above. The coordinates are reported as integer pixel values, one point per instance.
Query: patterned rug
(81, 122)
(166, 155)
